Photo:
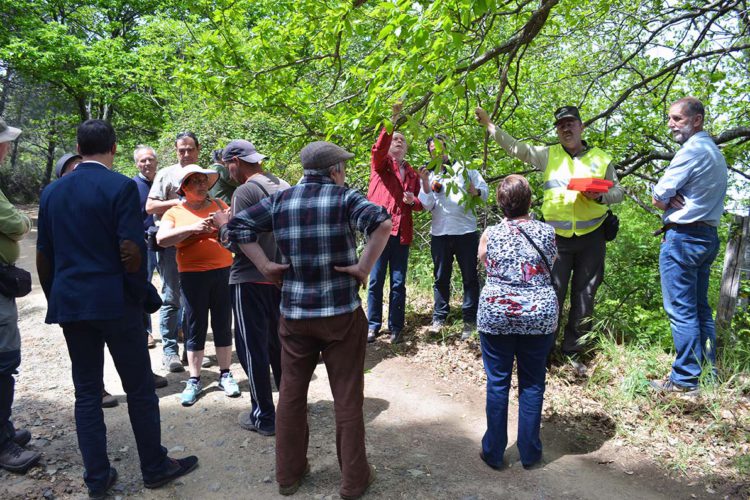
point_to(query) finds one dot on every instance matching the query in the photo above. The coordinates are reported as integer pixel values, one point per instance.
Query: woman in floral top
(517, 318)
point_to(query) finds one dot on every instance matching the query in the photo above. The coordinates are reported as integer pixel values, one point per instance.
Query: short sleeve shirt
(166, 183)
(199, 252)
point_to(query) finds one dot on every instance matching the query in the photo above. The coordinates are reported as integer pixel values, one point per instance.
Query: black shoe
(396, 338)
(160, 381)
(372, 335)
(108, 400)
(177, 467)
(667, 386)
(17, 459)
(22, 437)
(495, 467)
(539, 464)
(245, 421)
(111, 480)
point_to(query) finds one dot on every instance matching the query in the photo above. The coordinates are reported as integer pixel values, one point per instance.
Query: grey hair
(143, 147)
(336, 167)
(692, 106)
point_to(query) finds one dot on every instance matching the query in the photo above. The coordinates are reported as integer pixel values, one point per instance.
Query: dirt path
(423, 435)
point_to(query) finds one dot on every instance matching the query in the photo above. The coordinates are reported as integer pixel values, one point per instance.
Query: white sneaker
(229, 385)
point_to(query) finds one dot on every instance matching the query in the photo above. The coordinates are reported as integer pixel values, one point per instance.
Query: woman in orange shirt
(204, 276)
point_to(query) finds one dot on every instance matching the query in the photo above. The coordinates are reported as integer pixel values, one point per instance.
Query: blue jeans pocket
(692, 250)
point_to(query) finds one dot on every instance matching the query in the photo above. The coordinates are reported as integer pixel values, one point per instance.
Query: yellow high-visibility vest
(569, 212)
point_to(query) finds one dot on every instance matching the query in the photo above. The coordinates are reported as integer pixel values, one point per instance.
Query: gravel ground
(423, 432)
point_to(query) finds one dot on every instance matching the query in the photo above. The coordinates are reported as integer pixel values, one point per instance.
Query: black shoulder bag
(14, 281)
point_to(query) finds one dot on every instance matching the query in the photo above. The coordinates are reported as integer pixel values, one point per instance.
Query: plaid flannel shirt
(314, 226)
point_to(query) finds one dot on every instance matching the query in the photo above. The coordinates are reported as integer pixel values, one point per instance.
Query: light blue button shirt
(698, 172)
(449, 214)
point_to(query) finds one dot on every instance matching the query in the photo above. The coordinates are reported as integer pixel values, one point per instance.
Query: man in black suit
(90, 260)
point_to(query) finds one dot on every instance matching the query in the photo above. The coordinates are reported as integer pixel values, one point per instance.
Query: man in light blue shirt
(449, 193)
(691, 193)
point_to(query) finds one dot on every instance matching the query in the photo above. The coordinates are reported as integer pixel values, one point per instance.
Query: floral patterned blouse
(518, 298)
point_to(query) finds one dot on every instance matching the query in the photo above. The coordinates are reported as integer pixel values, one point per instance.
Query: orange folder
(590, 184)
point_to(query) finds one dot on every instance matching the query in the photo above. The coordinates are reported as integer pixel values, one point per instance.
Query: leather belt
(672, 225)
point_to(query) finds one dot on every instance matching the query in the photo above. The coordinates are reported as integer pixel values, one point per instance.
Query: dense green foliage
(282, 73)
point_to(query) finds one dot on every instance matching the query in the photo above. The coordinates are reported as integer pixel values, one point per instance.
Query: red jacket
(387, 187)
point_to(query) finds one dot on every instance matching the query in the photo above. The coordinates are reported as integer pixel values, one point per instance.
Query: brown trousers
(342, 340)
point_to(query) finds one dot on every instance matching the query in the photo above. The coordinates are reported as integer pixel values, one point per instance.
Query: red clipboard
(590, 184)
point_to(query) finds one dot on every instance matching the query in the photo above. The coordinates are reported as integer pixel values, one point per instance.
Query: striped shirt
(314, 225)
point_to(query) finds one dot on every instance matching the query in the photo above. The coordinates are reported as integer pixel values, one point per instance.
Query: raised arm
(536, 156)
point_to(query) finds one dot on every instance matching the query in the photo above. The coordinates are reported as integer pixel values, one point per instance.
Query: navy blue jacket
(83, 217)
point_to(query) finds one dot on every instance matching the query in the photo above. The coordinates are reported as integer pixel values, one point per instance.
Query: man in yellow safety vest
(577, 216)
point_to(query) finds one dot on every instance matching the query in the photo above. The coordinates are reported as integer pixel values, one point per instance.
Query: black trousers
(580, 262)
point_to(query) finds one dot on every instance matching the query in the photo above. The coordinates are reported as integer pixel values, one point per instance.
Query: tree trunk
(6, 90)
(51, 145)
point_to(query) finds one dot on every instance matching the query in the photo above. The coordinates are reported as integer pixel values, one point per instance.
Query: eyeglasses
(197, 179)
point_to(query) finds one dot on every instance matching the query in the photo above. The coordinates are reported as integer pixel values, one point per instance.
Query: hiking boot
(111, 480)
(108, 400)
(372, 335)
(396, 337)
(21, 437)
(667, 386)
(16, 458)
(468, 331)
(171, 363)
(370, 480)
(292, 488)
(229, 385)
(150, 342)
(190, 394)
(246, 422)
(177, 467)
(159, 381)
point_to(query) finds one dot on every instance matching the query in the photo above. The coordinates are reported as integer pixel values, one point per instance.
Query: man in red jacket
(394, 184)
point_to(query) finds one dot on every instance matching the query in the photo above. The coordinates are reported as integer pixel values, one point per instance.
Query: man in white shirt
(449, 193)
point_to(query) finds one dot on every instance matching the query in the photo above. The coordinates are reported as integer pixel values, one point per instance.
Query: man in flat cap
(577, 216)
(321, 312)
(66, 164)
(14, 225)
(255, 301)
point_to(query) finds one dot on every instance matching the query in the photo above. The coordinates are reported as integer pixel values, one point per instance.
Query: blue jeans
(498, 353)
(396, 256)
(464, 247)
(684, 264)
(169, 314)
(127, 345)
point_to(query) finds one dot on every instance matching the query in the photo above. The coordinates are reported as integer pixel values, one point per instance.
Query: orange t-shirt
(199, 252)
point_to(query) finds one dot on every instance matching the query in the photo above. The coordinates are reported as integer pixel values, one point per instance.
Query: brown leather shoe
(292, 488)
(108, 400)
(370, 480)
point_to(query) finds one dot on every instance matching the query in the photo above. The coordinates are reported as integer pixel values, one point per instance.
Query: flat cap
(320, 155)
